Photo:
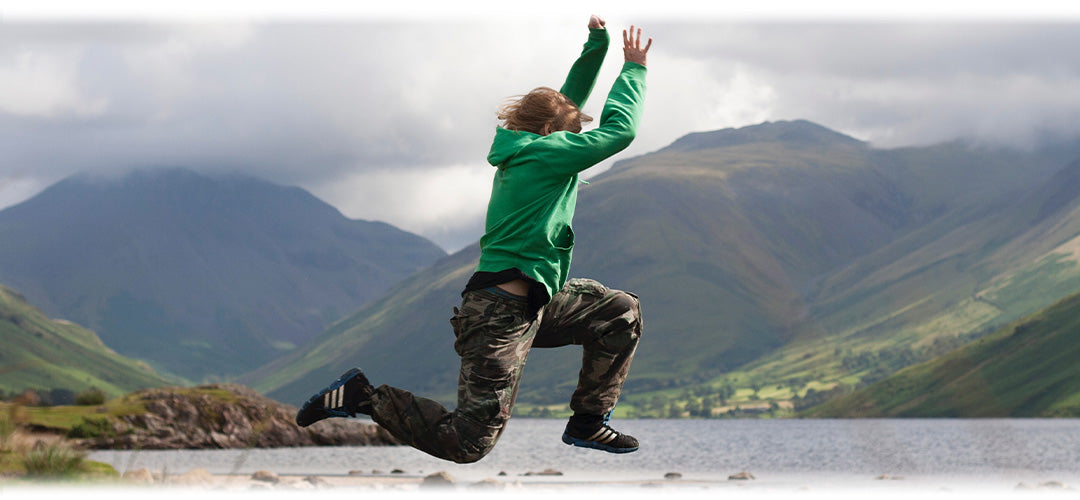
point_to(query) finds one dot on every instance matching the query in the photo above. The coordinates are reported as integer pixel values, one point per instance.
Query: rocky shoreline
(222, 416)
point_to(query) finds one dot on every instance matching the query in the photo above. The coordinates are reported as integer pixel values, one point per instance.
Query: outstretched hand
(632, 46)
(596, 22)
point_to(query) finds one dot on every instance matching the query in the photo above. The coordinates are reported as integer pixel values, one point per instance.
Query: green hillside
(44, 354)
(1027, 369)
(772, 261)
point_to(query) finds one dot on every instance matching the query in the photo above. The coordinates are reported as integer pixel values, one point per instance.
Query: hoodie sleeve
(568, 153)
(582, 77)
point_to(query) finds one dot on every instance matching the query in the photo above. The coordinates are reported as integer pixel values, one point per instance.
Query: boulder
(226, 416)
(438, 480)
(138, 476)
(265, 476)
(193, 477)
(741, 476)
(673, 475)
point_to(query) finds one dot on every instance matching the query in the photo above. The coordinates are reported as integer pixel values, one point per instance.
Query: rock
(265, 476)
(139, 476)
(488, 484)
(317, 482)
(502, 473)
(194, 477)
(673, 475)
(397, 471)
(1052, 485)
(438, 480)
(358, 473)
(885, 477)
(741, 476)
(545, 472)
(226, 416)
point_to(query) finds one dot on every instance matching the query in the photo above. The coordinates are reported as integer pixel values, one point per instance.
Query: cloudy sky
(388, 115)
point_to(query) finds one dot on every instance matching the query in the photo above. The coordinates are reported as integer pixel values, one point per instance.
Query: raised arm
(573, 152)
(582, 77)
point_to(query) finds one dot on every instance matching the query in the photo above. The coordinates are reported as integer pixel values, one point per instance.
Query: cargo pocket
(488, 392)
(582, 286)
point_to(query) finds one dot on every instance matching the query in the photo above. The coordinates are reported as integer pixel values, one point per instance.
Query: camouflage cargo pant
(493, 339)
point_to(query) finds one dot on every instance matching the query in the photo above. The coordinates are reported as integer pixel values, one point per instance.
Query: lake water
(783, 453)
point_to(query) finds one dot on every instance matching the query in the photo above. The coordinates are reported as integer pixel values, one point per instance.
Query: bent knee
(628, 305)
(472, 454)
(475, 440)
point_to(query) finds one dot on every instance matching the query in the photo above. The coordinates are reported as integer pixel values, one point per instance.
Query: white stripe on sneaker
(326, 400)
(610, 437)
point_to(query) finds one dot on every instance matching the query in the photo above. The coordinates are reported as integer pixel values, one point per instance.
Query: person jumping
(520, 296)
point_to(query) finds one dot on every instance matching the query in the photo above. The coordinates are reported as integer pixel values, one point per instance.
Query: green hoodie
(535, 188)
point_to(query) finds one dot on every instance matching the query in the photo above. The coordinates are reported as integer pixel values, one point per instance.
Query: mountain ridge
(228, 271)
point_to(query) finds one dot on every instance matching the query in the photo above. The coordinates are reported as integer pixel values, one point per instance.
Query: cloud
(36, 84)
(358, 109)
(439, 202)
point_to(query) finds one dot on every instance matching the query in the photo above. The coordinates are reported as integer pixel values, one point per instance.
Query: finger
(647, 45)
(637, 43)
(625, 41)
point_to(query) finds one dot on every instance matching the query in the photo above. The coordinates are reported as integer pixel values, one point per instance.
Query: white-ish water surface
(786, 454)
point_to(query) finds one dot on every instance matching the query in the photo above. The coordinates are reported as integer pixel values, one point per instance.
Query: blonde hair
(542, 108)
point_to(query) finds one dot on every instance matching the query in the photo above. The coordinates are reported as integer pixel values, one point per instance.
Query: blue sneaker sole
(571, 440)
(327, 412)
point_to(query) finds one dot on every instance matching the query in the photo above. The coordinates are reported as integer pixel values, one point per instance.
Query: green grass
(41, 353)
(1027, 369)
(53, 462)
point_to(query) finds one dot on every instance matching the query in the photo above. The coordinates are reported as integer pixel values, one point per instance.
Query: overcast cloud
(391, 120)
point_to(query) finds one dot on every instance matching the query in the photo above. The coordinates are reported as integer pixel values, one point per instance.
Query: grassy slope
(1027, 369)
(42, 353)
(964, 274)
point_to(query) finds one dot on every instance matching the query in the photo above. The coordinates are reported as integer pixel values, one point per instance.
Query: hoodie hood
(507, 144)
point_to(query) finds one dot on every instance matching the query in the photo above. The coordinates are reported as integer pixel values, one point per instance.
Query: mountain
(46, 354)
(201, 276)
(1027, 369)
(770, 260)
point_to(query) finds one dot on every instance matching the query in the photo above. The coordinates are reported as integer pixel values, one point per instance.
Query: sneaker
(594, 432)
(348, 395)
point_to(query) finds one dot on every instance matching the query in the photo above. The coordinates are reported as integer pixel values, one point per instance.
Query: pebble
(439, 479)
(545, 472)
(265, 476)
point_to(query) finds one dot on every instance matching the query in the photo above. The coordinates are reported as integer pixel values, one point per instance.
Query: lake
(988, 453)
